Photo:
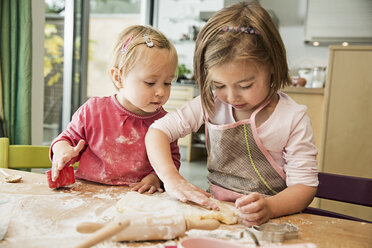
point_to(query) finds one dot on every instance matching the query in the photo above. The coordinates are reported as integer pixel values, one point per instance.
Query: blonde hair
(216, 47)
(134, 37)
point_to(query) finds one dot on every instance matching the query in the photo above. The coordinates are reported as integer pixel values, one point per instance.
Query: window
(53, 68)
(106, 20)
(79, 36)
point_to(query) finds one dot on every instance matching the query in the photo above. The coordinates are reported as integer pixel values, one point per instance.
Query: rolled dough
(162, 203)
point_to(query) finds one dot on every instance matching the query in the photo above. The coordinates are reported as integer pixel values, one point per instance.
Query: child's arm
(254, 209)
(62, 149)
(151, 183)
(158, 151)
(63, 152)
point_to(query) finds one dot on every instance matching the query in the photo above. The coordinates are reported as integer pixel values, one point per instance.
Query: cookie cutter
(275, 233)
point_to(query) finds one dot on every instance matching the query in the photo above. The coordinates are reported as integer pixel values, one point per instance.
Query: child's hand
(63, 152)
(253, 209)
(185, 191)
(150, 184)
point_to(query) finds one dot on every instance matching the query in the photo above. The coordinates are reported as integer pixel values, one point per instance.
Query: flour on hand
(162, 203)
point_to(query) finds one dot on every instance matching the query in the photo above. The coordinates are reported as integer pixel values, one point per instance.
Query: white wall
(299, 54)
(176, 17)
(291, 15)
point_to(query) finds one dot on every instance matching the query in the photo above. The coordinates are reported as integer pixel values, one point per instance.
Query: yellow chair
(23, 156)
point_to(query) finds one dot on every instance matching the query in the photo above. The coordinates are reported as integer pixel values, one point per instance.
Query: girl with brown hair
(261, 153)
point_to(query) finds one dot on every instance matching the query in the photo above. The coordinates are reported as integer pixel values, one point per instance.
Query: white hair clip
(148, 40)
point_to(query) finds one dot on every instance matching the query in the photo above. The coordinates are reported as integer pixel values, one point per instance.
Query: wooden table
(43, 217)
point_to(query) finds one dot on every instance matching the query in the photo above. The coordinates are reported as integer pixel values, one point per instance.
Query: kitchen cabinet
(347, 126)
(330, 26)
(180, 94)
(342, 119)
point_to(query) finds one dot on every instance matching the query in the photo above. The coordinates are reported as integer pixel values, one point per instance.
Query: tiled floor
(195, 172)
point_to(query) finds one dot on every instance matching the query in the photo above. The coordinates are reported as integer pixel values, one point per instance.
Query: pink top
(115, 150)
(287, 134)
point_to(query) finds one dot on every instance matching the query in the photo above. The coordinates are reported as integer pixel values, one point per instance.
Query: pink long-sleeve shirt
(115, 151)
(287, 134)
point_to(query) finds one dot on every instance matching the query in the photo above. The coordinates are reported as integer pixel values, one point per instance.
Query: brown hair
(215, 47)
(125, 61)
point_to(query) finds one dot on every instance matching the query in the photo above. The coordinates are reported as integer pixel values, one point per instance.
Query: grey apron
(235, 161)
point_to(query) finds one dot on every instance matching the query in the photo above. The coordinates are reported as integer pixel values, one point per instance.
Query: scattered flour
(163, 203)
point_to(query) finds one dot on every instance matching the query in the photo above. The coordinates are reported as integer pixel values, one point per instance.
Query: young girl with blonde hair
(106, 134)
(260, 145)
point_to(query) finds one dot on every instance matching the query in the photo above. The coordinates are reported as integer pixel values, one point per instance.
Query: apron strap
(259, 143)
(253, 115)
(253, 164)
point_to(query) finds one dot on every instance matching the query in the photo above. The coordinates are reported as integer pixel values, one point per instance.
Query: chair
(355, 190)
(23, 156)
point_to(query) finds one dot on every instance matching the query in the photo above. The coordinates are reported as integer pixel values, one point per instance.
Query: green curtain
(2, 124)
(16, 68)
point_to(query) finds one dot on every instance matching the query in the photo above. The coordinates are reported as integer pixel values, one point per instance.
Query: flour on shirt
(121, 139)
(134, 137)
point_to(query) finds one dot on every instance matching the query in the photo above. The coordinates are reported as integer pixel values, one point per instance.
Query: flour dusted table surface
(43, 217)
